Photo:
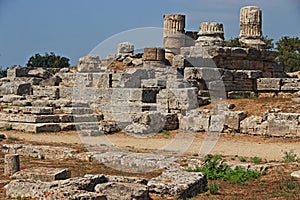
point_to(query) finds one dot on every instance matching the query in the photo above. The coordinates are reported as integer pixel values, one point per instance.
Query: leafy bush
(215, 169)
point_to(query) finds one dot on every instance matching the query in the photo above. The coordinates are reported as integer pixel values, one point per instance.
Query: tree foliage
(48, 61)
(3, 72)
(289, 53)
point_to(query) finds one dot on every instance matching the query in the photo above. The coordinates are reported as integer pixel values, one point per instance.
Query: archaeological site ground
(193, 119)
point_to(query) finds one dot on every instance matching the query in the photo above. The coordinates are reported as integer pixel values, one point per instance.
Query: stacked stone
(250, 27)
(210, 34)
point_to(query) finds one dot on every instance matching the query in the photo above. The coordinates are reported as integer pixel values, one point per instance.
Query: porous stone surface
(296, 174)
(125, 48)
(123, 191)
(43, 174)
(178, 184)
(11, 164)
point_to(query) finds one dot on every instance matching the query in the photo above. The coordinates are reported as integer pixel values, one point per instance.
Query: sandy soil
(241, 145)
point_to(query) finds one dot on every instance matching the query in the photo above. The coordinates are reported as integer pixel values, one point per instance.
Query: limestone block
(296, 174)
(101, 80)
(171, 121)
(37, 110)
(178, 184)
(125, 48)
(89, 63)
(178, 61)
(217, 123)
(290, 84)
(123, 191)
(76, 110)
(31, 80)
(10, 98)
(36, 128)
(27, 188)
(126, 179)
(14, 72)
(268, 84)
(153, 83)
(247, 74)
(154, 54)
(52, 81)
(233, 119)
(29, 118)
(17, 88)
(39, 73)
(11, 164)
(43, 174)
(241, 85)
(195, 121)
(137, 62)
(51, 92)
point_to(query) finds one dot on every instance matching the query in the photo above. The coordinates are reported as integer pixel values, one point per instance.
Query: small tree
(3, 73)
(48, 61)
(289, 53)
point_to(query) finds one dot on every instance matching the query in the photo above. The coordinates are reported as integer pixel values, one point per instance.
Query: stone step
(36, 128)
(87, 126)
(28, 118)
(37, 110)
(80, 118)
(76, 110)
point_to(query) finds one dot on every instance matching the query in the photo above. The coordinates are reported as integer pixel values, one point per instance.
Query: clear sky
(72, 28)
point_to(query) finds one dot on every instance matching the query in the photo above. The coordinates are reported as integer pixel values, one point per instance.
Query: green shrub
(166, 132)
(215, 169)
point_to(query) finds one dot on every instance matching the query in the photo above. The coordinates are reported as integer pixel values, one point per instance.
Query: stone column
(210, 34)
(11, 164)
(174, 33)
(250, 27)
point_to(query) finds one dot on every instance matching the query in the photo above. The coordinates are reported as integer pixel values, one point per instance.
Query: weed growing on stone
(213, 188)
(11, 138)
(215, 169)
(256, 160)
(243, 159)
(166, 132)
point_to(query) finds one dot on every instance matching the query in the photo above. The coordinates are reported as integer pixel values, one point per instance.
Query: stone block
(36, 128)
(217, 123)
(241, 85)
(17, 88)
(51, 92)
(89, 63)
(154, 54)
(290, 84)
(11, 164)
(14, 72)
(125, 48)
(38, 110)
(43, 174)
(178, 184)
(29, 118)
(171, 122)
(268, 84)
(233, 119)
(76, 110)
(195, 121)
(123, 191)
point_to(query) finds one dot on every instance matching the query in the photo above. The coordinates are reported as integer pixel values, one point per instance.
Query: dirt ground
(275, 184)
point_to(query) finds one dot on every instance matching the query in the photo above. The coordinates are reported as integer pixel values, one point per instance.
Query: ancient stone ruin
(142, 93)
(147, 93)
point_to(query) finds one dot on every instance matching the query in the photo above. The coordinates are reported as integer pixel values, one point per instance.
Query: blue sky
(72, 28)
